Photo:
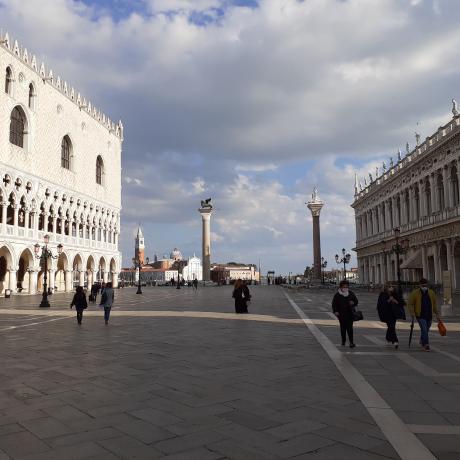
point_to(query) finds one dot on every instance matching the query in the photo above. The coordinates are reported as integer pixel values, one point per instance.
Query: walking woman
(79, 300)
(390, 307)
(239, 296)
(107, 299)
(343, 304)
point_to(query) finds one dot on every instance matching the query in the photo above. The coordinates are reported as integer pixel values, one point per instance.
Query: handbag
(398, 311)
(357, 315)
(442, 328)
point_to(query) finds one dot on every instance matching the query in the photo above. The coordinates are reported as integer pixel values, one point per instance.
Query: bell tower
(139, 247)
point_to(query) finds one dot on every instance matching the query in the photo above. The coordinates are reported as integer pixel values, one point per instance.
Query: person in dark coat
(239, 296)
(108, 296)
(79, 300)
(390, 307)
(343, 304)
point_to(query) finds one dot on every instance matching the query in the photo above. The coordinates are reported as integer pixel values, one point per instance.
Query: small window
(66, 146)
(17, 127)
(31, 96)
(8, 80)
(99, 170)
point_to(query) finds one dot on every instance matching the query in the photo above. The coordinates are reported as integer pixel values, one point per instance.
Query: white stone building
(420, 196)
(60, 168)
(193, 270)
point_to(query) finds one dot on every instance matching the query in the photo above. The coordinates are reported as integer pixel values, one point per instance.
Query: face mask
(344, 291)
(391, 290)
(424, 288)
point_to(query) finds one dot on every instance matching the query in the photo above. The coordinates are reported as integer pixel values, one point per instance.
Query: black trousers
(391, 331)
(346, 327)
(79, 316)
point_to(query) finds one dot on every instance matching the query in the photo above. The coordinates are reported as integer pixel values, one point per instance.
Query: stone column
(51, 278)
(13, 285)
(81, 280)
(437, 267)
(434, 204)
(446, 186)
(449, 254)
(68, 280)
(4, 215)
(361, 271)
(422, 191)
(105, 276)
(412, 204)
(90, 278)
(26, 219)
(424, 262)
(315, 205)
(54, 225)
(394, 202)
(15, 218)
(206, 211)
(388, 265)
(114, 280)
(33, 275)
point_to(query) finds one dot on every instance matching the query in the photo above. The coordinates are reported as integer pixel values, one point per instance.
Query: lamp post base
(44, 303)
(139, 290)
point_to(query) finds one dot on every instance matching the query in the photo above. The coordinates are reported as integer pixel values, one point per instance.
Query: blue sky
(252, 104)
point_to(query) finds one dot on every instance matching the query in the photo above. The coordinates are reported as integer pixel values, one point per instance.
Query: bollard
(7, 293)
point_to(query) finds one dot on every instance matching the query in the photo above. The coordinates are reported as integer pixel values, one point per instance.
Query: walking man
(422, 304)
(107, 299)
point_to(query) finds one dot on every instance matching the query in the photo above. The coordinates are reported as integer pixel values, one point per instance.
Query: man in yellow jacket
(422, 304)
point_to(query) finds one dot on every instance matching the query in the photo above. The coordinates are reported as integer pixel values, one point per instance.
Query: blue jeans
(107, 313)
(425, 325)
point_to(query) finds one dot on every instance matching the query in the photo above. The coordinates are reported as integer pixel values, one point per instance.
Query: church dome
(176, 254)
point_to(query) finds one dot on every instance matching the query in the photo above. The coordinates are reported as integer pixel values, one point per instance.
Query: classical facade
(419, 196)
(60, 169)
(193, 270)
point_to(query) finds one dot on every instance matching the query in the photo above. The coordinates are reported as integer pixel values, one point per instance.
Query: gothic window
(31, 96)
(66, 147)
(17, 127)
(455, 189)
(99, 170)
(8, 80)
(440, 190)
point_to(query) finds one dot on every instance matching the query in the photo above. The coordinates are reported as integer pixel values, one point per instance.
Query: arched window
(66, 146)
(31, 96)
(428, 197)
(8, 80)
(17, 127)
(99, 170)
(416, 203)
(407, 206)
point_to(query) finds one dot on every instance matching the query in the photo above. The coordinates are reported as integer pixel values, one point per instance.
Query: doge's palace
(60, 171)
(419, 195)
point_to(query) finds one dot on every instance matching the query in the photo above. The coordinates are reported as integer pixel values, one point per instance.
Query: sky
(252, 103)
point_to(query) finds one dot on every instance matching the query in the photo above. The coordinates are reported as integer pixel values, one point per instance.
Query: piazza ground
(178, 375)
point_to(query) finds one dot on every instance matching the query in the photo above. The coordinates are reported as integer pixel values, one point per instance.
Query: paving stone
(145, 432)
(46, 427)
(155, 417)
(301, 445)
(238, 451)
(21, 444)
(187, 442)
(252, 421)
(77, 438)
(80, 451)
(196, 454)
(293, 429)
(127, 447)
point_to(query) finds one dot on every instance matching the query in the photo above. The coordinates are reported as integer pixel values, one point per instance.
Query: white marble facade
(60, 170)
(420, 196)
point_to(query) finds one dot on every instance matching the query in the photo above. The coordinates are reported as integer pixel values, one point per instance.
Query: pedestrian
(246, 294)
(79, 300)
(107, 299)
(343, 305)
(390, 307)
(238, 295)
(195, 284)
(422, 304)
(93, 295)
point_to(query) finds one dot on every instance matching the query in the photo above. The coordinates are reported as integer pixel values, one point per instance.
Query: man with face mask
(422, 304)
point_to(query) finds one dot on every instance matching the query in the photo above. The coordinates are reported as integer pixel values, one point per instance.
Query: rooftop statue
(454, 108)
(399, 155)
(384, 167)
(407, 148)
(376, 172)
(314, 195)
(206, 204)
(391, 162)
(417, 138)
(370, 178)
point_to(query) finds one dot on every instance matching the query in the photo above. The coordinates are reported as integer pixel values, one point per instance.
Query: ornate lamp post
(344, 260)
(45, 254)
(399, 248)
(138, 266)
(178, 278)
(323, 267)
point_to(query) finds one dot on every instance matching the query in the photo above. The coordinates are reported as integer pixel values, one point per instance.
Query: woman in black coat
(390, 307)
(343, 305)
(79, 300)
(240, 293)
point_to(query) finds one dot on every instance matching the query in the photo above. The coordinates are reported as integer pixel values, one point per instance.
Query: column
(394, 202)
(16, 213)
(81, 280)
(446, 186)
(404, 210)
(387, 215)
(63, 227)
(13, 285)
(33, 275)
(388, 265)
(68, 275)
(90, 278)
(26, 219)
(424, 262)
(380, 212)
(105, 276)
(54, 225)
(51, 278)
(114, 280)
(412, 204)
(434, 204)
(437, 268)
(449, 254)
(422, 189)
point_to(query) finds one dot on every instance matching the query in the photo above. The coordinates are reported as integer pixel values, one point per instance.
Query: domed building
(175, 255)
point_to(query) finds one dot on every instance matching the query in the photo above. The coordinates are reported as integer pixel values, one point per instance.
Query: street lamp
(178, 278)
(137, 263)
(323, 266)
(344, 260)
(399, 248)
(46, 253)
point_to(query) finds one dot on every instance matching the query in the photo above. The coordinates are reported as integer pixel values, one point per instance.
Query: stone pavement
(177, 375)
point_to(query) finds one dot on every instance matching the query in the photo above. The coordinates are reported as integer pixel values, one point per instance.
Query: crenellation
(5, 41)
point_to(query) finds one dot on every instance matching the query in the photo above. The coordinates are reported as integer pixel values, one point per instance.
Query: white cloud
(255, 167)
